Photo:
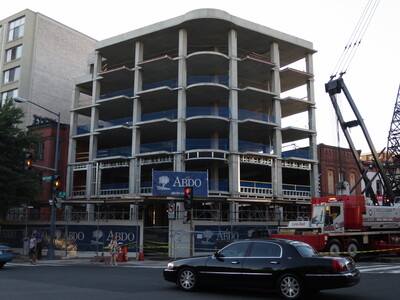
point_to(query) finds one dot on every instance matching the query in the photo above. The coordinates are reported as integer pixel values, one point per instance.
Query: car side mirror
(217, 255)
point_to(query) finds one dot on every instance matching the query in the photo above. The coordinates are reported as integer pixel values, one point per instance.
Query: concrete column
(214, 176)
(94, 120)
(234, 157)
(133, 212)
(314, 178)
(233, 212)
(182, 82)
(134, 168)
(277, 135)
(90, 212)
(72, 144)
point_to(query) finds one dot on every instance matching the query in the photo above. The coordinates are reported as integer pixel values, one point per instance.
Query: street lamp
(50, 252)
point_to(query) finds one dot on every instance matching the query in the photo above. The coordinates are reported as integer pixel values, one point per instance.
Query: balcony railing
(245, 146)
(291, 191)
(125, 92)
(219, 144)
(247, 114)
(171, 114)
(118, 151)
(169, 146)
(299, 153)
(208, 111)
(123, 121)
(224, 80)
(173, 83)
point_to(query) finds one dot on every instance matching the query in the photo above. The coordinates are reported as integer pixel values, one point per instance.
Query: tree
(16, 186)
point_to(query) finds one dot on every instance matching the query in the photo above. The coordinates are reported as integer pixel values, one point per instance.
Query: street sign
(47, 178)
(171, 211)
(62, 194)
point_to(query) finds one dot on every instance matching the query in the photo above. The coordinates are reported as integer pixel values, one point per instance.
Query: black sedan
(293, 268)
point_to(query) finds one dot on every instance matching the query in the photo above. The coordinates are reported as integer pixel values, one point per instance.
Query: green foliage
(16, 187)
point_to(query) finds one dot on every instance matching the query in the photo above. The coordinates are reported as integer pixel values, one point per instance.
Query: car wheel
(290, 286)
(334, 246)
(2, 265)
(354, 246)
(187, 279)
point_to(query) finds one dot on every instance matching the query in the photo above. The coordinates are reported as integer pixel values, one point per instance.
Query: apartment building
(203, 94)
(39, 59)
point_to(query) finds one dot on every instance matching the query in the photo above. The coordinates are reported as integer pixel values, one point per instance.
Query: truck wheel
(354, 246)
(334, 246)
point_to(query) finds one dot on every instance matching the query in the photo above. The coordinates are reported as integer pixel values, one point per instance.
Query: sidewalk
(155, 262)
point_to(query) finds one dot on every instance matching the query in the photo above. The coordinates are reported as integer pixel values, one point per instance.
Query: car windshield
(306, 250)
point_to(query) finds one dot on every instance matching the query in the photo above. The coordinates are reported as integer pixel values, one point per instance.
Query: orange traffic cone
(140, 257)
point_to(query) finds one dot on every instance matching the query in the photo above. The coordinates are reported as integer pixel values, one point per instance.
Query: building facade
(39, 59)
(336, 166)
(203, 92)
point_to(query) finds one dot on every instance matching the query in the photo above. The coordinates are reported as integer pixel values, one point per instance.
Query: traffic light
(56, 183)
(27, 161)
(188, 197)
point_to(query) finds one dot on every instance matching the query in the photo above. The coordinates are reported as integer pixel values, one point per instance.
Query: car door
(225, 267)
(261, 264)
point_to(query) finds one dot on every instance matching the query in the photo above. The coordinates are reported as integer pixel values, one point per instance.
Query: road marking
(379, 268)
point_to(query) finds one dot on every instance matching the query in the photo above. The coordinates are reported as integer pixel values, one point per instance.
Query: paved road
(85, 280)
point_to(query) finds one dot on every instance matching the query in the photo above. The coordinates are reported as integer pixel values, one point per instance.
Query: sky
(373, 77)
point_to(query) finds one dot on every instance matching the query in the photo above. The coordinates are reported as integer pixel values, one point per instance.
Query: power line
(355, 39)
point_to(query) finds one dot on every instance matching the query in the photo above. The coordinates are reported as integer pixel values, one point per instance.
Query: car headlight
(170, 266)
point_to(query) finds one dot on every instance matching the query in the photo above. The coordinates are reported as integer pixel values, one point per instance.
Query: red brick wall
(336, 159)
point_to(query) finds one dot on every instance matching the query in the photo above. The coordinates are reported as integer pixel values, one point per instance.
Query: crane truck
(349, 223)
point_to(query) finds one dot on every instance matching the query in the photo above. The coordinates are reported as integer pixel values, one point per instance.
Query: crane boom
(393, 148)
(334, 87)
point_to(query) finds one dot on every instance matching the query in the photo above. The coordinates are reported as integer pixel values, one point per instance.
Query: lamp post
(50, 252)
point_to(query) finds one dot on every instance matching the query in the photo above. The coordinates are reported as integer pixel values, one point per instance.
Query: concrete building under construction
(204, 99)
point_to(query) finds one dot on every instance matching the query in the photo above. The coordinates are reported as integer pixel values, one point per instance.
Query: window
(305, 250)
(353, 181)
(16, 29)
(8, 96)
(39, 151)
(13, 53)
(265, 250)
(11, 75)
(331, 184)
(234, 250)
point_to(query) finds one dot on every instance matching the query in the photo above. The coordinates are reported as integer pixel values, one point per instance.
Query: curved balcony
(208, 111)
(212, 144)
(217, 79)
(207, 62)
